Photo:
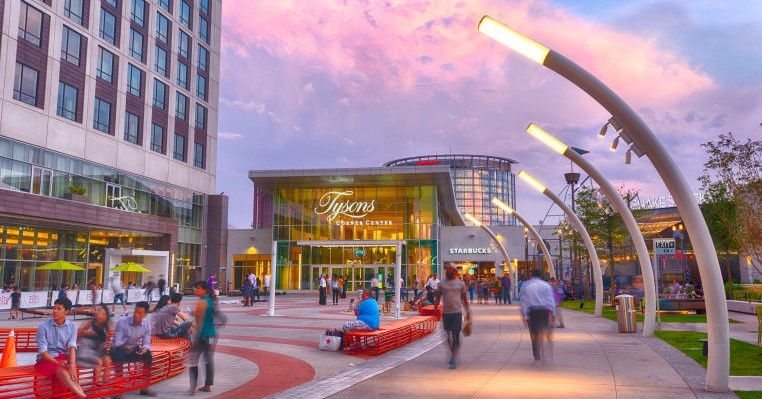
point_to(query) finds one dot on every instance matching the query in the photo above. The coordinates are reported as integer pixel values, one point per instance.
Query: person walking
(538, 307)
(204, 338)
(558, 295)
(416, 286)
(506, 286)
(322, 285)
(161, 285)
(247, 292)
(116, 286)
(335, 289)
(452, 291)
(374, 286)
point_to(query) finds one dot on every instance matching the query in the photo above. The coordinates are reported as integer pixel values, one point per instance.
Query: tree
(732, 183)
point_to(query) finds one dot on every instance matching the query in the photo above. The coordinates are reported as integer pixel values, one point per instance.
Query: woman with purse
(453, 290)
(204, 337)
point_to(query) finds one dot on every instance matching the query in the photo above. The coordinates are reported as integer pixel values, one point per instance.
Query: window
(131, 127)
(159, 94)
(25, 84)
(105, 65)
(67, 101)
(161, 61)
(102, 116)
(70, 45)
(137, 11)
(203, 29)
(179, 152)
(134, 77)
(162, 28)
(204, 6)
(203, 57)
(201, 86)
(73, 10)
(182, 75)
(165, 5)
(181, 107)
(185, 13)
(200, 117)
(183, 45)
(30, 24)
(157, 138)
(198, 155)
(136, 44)
(107, 30)
(113, 3)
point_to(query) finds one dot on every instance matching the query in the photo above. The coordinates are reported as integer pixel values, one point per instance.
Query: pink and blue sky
(343, 84)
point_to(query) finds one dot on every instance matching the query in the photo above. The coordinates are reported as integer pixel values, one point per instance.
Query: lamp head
(628, 156)
(514, 40)
(604, 129)
(547, 139)
(502, 205)
(532, 181)
(614, 144)
(473, 220)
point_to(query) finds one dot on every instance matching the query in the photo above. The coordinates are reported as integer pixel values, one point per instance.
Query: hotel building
(108, 139)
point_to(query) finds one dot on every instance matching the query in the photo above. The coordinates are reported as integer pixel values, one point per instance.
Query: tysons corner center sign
(338, 204)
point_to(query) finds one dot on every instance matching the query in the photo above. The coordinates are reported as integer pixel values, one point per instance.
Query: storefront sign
(335, 203)
(470, 250)
(664, 246)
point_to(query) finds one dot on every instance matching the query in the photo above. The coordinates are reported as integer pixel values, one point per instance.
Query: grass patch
(749, 395)
(745, 358)
(609, 312)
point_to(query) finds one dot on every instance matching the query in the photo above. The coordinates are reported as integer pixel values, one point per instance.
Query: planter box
(76, 197)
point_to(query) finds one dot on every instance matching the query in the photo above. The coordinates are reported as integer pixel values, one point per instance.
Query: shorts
(119, 298)
(15, 306)
(49, 369)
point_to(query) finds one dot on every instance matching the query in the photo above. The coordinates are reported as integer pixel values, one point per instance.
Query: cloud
(245, 105)
(229, 136)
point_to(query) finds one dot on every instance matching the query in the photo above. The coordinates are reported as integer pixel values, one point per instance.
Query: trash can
(625, 313)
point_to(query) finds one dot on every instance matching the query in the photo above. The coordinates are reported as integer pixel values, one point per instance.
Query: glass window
(200, 117)
(134, 77)
(181, 106)
(183, 45)
(73, 10)
(25, 84)
(136, 44)
(165, 5)
(182, 75)
(203, 57)
(113, 3)
(185, 13)
(201, 86)
(105, 69)
(137, 11)
(203, 29)
(159, 94)
(131, 127)
(161, 61)
(67, 101)
(30, 24)
(70, 46)
(198, 155)
(203, 5)
(179, 152)
(157, 138)
(107, 30)
(102, 116)
(162, 28)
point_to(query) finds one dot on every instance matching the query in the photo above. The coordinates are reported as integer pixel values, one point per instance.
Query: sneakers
(205, 388)
(453, 364)
(147, 392)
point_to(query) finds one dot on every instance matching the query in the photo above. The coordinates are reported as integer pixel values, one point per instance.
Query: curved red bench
(389, 336)
(169, 357)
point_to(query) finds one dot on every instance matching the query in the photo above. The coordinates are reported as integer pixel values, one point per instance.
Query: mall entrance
(358, 275)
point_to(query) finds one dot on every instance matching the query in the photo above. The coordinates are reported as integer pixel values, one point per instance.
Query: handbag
(219, 318)
(467, 328)
(330, 340)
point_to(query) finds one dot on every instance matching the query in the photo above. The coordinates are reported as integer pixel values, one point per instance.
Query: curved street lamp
(645, 142)
(618, 204)
(500, 245)
(597, 277)
(546, 253)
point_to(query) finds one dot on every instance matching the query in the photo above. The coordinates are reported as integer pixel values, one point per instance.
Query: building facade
(108, 139)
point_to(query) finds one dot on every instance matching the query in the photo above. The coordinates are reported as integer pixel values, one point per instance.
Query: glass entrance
(358, 275)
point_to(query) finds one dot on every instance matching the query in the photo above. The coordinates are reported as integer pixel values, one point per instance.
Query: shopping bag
(329, 343)
(467, 328)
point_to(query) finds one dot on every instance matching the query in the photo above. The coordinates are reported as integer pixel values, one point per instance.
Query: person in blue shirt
(57, 348)
(367, 313)
(132, 342)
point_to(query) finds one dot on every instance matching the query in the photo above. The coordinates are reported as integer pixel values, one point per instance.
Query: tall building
(108, 139)
(476, 179)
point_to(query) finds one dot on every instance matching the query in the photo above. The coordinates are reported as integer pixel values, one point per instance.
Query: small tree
(732, 182)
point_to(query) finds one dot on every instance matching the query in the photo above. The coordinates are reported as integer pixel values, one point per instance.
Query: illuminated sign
(335, 203)
(470, 250)
(664, 246)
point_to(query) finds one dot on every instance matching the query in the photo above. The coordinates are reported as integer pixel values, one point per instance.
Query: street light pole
(645, 142)
(531, 230)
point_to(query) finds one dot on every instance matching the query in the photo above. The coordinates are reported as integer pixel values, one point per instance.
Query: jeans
(507, 295)
(539, 330)
(178, 331)
(204, 347)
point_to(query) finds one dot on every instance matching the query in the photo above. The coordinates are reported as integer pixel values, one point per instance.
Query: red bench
(431, 310)
(389, 336)
(169, 357)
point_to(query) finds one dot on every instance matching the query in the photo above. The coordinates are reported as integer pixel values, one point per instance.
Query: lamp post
(526, 252)
(582, 231)
(492, 235)
(529, 229)
(618, 204)
(645, 142)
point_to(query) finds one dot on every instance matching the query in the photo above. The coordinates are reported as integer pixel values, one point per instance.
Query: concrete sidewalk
(260, 356)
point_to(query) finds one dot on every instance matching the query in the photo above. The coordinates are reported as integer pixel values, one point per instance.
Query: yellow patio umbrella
(130, 267)
(60, 265)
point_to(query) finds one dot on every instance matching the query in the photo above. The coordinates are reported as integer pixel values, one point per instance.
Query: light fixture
(614, 144)
(628, 156)
(602, 132)
(546, 138)
(613, 122)
(532, 181)
(502, 205)
(515, 40)
(637, 150)
(473, 220)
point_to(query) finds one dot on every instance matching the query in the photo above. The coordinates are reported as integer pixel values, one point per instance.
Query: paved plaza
(260, 356)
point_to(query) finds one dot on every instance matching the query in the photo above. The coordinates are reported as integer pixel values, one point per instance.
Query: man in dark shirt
(161, 285)
(15, 304)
